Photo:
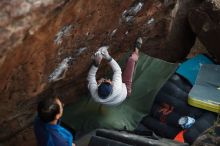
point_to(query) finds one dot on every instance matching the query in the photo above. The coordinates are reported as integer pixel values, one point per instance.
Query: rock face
(181, 38)
(46, 48)
(210, 137)
(205, 21)
(21, 17)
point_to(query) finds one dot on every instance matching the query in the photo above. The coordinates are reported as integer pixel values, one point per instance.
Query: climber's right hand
(97, 58)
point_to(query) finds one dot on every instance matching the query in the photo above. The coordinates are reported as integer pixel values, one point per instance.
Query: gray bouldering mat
(205, 93)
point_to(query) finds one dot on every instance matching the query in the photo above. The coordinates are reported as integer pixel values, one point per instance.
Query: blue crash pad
(190, 68)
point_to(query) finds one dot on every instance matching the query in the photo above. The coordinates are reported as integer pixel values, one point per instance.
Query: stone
(180, 38)
(5, 34)
(20, 9)
(210, 137)
(18, 16)
(205, 23)
(4, 19)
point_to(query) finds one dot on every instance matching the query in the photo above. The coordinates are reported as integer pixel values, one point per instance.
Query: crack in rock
(65, 31)
(60, 71)
(128, 15)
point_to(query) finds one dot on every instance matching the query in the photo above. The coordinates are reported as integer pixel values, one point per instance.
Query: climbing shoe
(138, 43)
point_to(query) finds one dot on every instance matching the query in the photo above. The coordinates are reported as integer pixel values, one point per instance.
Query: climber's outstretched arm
(92, 83)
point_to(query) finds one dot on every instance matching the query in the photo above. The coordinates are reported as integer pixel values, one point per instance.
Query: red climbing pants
(129, 71)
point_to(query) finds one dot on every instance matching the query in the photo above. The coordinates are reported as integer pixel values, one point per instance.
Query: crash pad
(205, 93)
(150, 75)
(190, 68)
(125, 138)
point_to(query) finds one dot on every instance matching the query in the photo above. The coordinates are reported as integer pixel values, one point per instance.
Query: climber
(47, 128)
(112, 92)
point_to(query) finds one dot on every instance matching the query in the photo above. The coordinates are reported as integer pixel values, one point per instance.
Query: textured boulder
(181, 38)
(205, 21)
(21, 17)
(210, 137)
(54, 50)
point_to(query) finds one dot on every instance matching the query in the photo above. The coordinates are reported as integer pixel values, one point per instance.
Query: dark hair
(48, 109)
(104, 89)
